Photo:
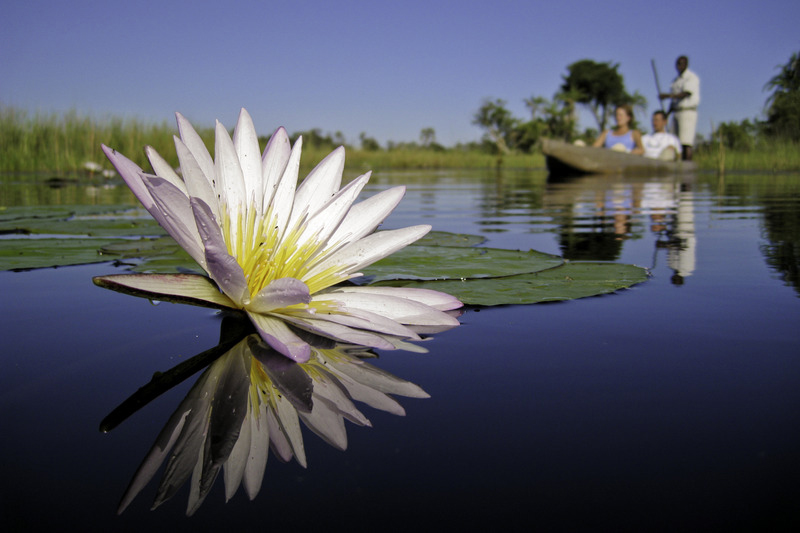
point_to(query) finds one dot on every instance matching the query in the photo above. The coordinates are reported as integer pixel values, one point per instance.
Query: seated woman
(622, 138)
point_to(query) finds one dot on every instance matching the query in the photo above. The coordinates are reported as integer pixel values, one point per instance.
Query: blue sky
(385, 68)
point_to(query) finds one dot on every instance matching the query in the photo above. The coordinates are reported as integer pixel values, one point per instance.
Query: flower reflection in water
(251, 399)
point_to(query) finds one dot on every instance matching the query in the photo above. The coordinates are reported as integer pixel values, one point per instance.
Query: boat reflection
(596, 214)
(251, 399)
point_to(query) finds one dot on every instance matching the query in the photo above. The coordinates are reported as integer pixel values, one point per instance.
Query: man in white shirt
(660, 144)
(685, 95)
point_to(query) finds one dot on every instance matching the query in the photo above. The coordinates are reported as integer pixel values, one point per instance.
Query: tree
(600, 87)
(554, 118)
(493, 117)
(783, 113)
(427, 136)
(368, 144)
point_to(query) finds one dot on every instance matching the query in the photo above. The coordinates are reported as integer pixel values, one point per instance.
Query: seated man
(660, 144)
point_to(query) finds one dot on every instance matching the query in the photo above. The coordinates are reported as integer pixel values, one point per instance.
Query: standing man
(685, 95)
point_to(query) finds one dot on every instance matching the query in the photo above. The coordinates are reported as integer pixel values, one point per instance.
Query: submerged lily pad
(568, 282)
(450, 262)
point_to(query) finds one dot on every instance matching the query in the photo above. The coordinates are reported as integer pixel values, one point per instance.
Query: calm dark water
(670, 406)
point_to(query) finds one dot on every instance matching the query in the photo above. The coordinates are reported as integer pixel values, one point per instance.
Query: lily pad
(449, 262)
(161, 254)
(23, 254)
(96, 220)
(568, 282)
(445, 238)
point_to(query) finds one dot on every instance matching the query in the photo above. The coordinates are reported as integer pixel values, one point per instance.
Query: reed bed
(767, 155)
(63, 144)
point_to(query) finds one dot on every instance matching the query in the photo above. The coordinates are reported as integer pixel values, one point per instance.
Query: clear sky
(387, 68)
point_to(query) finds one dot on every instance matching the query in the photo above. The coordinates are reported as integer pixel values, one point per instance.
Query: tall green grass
(63, 143)
(768, 155)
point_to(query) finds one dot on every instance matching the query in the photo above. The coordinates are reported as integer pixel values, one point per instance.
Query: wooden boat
(564, 159)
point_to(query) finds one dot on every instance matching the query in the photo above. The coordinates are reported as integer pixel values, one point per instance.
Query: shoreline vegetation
(63, 144)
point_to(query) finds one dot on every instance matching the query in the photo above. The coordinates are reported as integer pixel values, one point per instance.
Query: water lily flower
(275, 250)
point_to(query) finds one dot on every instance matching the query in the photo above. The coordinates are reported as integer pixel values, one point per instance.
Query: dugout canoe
(564, 159)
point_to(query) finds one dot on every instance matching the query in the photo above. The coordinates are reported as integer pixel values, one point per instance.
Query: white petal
(397, 308)
(283, 199)
(188, 288)
(198, 184)
(436, 299)
(319, 186)
(364, 217)
(164, 170)
(245, 141)
(359, 254)
(324, 222)
(278, 335)
(273, 163)
(366, 320)
(280, 293)
(196, 146)
(229, 172)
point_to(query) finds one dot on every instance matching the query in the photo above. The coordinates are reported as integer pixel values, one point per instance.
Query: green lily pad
(161, 254)
(450, 262)
(445, 238)
(23, 254)
(96, 221)
(568, 282)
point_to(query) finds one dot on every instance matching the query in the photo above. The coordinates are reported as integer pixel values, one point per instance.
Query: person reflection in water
(622, 138)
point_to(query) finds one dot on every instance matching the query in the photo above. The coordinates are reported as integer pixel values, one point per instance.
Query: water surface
(672, 405)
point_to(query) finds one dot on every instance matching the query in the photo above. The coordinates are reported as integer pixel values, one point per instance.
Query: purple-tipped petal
(175, 215)
(220, 265)
(280, 293)
(132, 175)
